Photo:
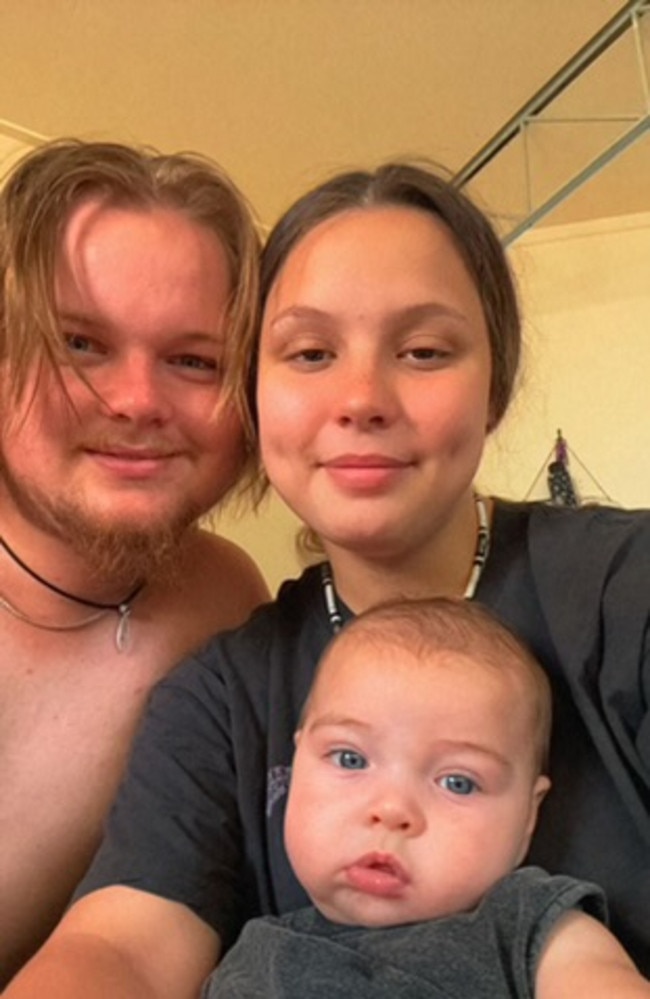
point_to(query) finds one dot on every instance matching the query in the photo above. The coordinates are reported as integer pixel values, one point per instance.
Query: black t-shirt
(199, 817)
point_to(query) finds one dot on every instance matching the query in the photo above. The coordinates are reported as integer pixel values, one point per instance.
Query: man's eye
(78, 343)
(195, 362)
(199, 367)
(458, 784)
(349, 759)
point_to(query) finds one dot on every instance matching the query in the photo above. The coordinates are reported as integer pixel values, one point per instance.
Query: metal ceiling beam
(628, 19)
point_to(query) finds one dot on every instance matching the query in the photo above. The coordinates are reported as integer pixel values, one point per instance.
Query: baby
(415, 788)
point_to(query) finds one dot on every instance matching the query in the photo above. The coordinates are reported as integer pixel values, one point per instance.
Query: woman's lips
(365, 473)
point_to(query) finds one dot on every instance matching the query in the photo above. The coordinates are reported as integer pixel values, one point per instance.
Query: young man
(415, 787)
(127, 279)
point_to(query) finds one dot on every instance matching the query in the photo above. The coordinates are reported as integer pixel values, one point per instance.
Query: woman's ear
(492, 420)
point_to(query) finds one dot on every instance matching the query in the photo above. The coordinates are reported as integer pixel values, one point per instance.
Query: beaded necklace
(481, 553)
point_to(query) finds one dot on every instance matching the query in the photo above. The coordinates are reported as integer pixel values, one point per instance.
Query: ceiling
(283, 92)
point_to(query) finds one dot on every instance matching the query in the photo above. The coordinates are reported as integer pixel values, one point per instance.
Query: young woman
(388, 351)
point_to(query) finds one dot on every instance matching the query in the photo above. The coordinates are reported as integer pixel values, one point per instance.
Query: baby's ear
(296, 736)
(541, 788)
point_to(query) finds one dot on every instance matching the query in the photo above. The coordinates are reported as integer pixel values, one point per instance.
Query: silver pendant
(122, 630)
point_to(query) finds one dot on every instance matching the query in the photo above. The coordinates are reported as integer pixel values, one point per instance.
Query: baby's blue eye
(349, 759)
(458, 784)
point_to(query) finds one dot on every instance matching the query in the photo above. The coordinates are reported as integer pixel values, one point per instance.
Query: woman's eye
(349, 759)
(311, 356)
(458, 784)
(426, 355)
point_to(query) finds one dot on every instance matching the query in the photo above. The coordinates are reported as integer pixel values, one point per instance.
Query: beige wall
(586, 299)
(586, 295)
(13, 145)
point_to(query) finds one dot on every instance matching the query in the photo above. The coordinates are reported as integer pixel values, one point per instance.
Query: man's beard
(127, 554)
(116, 553)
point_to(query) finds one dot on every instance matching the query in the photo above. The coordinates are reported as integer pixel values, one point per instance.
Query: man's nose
(132, 388)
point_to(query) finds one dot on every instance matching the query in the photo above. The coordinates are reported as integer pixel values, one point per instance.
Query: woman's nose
(366, 397)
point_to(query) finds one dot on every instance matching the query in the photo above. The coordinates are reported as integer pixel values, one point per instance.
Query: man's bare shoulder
(219, 587)
(226, 557)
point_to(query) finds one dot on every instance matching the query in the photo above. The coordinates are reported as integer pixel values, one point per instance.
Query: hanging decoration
(562, 488)
(560, 484)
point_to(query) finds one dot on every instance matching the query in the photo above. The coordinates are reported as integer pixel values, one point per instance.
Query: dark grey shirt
(489, 953)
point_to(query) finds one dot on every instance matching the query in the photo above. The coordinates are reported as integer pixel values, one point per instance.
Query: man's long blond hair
(35, 203)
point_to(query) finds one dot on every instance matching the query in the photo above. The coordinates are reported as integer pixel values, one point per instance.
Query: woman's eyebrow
(407, 315)
(422, 311)
(300, 313)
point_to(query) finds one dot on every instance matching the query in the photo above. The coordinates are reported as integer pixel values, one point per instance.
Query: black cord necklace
(122, 608)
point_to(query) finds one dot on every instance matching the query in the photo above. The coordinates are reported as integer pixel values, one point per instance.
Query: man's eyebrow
(80, 318)
(90, 323)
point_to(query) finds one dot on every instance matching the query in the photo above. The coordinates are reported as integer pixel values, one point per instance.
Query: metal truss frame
(538, 111)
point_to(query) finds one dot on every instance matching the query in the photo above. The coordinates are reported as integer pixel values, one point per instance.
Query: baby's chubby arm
(581, 958)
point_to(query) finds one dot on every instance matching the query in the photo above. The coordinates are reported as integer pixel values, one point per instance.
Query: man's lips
(378, 874)
(130, 462)
(129, 454)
